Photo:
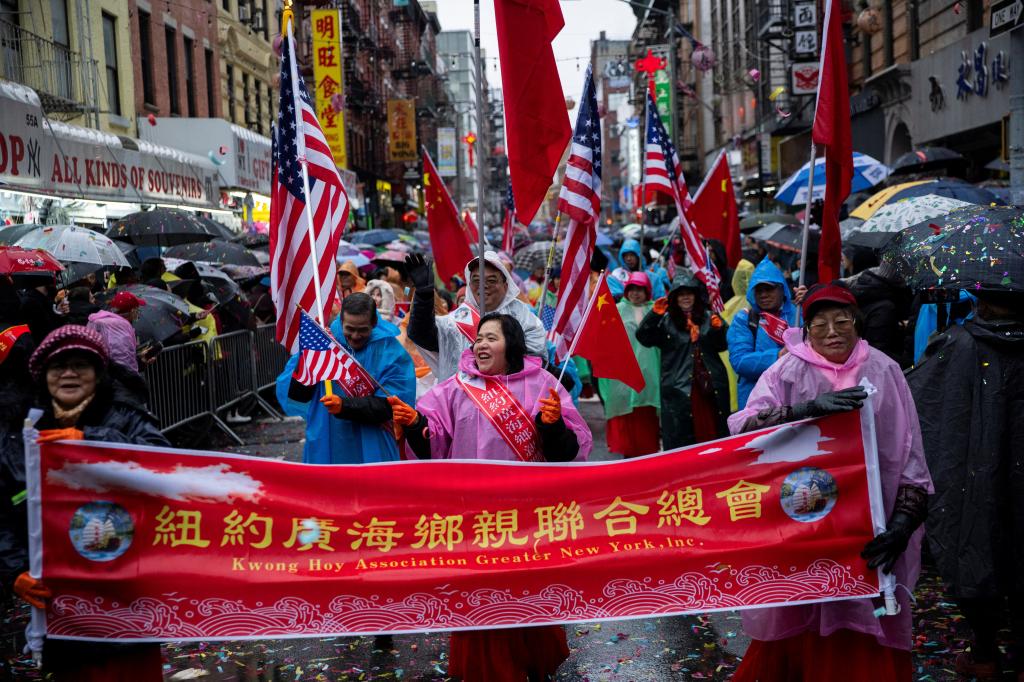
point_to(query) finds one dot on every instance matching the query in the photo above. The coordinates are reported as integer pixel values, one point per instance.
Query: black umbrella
(161, 318)
(927, 158)
(160, 227)
(756, 220)
(875, 241)
(786, 237)
(217, 229)
(977, 247)
(252, 239)
(214, 251)
(374, 237)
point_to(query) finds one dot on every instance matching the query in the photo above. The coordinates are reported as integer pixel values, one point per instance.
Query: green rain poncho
(620, 399)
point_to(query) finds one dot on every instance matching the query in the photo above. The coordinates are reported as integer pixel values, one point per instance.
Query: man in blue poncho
(751, 349)
(343, 429)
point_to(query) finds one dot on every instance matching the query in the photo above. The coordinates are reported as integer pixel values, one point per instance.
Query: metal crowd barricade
(179, 384)
(200, 379)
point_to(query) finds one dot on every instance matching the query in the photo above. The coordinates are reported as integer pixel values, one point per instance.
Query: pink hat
(639, 279)
(64, 339)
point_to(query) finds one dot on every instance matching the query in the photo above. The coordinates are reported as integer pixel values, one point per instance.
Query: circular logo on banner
(101, 531)
(808, 494)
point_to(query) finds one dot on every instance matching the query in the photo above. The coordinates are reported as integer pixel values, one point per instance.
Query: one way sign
(1006, 16)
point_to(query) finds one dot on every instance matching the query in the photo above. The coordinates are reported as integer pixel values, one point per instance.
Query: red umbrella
(16, 260)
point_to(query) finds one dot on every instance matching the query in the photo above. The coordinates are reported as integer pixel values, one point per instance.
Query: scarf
(68, 418)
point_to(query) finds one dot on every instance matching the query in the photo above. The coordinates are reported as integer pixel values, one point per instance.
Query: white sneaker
(236, 418)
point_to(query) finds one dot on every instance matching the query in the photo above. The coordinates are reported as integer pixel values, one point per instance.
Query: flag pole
(549, 263)
(301, 144)
(583, 323)
(643, 173)
(807, 214)
(480, 153)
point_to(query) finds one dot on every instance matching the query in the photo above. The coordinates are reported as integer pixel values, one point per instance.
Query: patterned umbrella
(867, 172)
(15, 260)
(535, 254)
(951, 188)
(71, 244)
(979, 247)
(899, 215)
(218, 251)
(160, 227)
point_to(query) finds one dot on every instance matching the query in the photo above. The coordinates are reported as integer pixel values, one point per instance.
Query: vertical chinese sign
(155, 543)
(402, 130)
(447, 163)
(663, 89)
(329, 77)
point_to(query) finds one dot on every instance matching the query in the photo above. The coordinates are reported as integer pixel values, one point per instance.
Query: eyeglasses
(489, 282)
(75, 366)
(842, 325)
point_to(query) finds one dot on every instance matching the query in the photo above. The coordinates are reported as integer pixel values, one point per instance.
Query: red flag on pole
(602, 339)
(447, 237)
(832, 131)
(536, 121)
(714, 210)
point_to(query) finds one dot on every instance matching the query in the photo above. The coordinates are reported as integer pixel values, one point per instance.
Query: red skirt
(634, 434)
(809, 657)
(508, 655)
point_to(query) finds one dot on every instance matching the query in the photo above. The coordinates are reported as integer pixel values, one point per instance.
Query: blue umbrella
(374, 237)
(867, 172)
(603, 239)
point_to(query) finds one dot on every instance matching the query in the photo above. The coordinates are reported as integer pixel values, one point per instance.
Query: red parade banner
(158, 544)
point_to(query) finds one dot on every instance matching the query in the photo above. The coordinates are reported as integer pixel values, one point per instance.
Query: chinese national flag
(447, 238)
(603, 341)
(832, 131)
(536, 121)
(714, 210)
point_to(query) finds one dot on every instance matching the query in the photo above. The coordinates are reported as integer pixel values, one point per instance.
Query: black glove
(419, 271)
(910, 511)
(846, 400)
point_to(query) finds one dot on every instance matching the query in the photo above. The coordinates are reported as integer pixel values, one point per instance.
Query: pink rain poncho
(119, 335)
(459, 430)
(803, 375)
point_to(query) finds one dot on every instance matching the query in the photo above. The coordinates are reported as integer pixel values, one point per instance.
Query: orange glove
(402, 413)
(716, 322)
(694, 330)
(332, 403)
(551, 408)
(32, 590)
(50, 435)
(660, 306)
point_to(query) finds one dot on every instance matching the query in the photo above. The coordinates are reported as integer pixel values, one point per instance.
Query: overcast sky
(584, 21)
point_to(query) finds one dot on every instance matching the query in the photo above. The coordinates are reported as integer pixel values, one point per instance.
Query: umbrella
(603, 240)
(161, 317)
(214, 251)
(129, 251)
(926, 158)
(160, 227)
(951, 188)
(375, 237)
(252, 239)
(72, 244)
(996, 164)
(400, 245)
(848, 226)
(756, 220)
(242, 272)
(217, 229)
(898, 215)
(786, 237)
(12, 233)
(533, 255)
(875, 241)
(867, 172)
(15, 260)
(221, 289)
(358, 259)
(391, 256)
(979, 247)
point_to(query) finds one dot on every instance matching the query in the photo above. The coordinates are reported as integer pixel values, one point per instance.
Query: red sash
(774, 326)
(505, 413)
(467, 319)
(8, 338)
(355, 380)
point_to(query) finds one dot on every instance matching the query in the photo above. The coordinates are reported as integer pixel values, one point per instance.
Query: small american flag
(547, 311)
(322, 357)
(663, 173)
(298, 140)
(580, 199)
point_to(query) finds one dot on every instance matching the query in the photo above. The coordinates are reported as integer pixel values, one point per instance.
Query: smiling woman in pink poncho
(501, 405)
(819, 373)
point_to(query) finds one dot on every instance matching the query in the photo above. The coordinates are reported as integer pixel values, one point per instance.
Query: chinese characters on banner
(447, 163)
(142, 543)
(663, 89)
(329, 77)
(402, 130)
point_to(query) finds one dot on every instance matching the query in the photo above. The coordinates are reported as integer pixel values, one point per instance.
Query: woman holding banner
(79, 400)
(458, 419)
(820, 374)
(694, 383)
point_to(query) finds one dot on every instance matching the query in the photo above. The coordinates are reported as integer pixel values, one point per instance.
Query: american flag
(580, 199)
(663, 173)
(298, 140)
(547, 311)
(509, 227)
(322, 357)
